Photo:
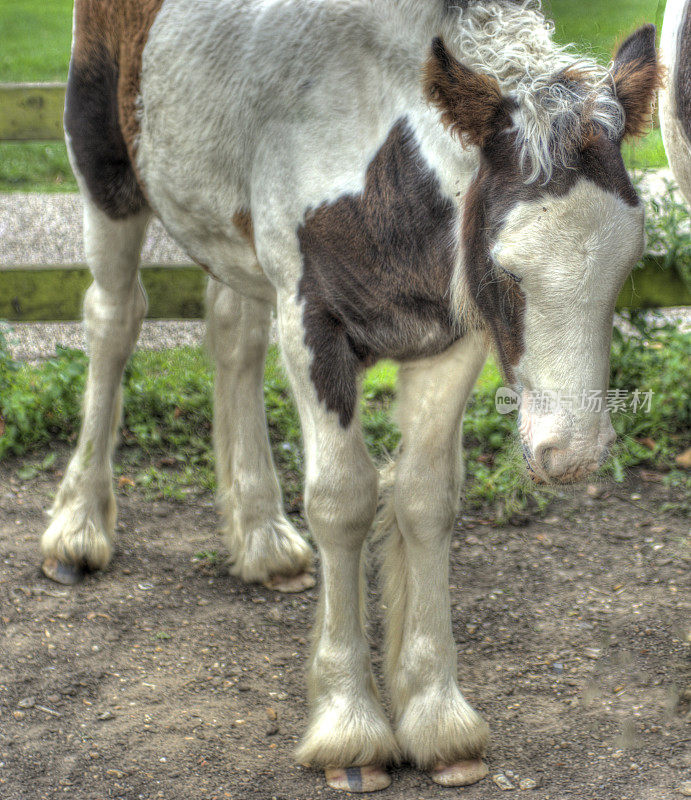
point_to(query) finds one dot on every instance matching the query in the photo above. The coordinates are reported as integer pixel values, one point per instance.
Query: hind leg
(264, 545)
(80, 535)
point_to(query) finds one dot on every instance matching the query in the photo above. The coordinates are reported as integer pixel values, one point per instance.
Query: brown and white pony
(675, 97)
(409, 179)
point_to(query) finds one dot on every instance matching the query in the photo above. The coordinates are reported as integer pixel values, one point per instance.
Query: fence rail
(31, 293)
(31, 111)
(55, 293)
(43, 293)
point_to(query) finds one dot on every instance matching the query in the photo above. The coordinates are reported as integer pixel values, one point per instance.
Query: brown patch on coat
(637, 76)
(377, 271)
(496, 294)
(137, 17)
(471, 104)
(682, 83)
(243, 222)
(100, 107)
(95, 29)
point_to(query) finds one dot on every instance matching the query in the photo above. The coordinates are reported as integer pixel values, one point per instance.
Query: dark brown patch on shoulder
(682, 85)
(102, 87)
(496, 295)
(377, 270)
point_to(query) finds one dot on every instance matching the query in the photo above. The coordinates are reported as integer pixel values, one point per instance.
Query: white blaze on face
(572, 255)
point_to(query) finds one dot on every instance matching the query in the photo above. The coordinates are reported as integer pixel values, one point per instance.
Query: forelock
(561, 98)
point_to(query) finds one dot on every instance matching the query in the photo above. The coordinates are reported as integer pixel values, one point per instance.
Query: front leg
(435, 727)
(348, 733)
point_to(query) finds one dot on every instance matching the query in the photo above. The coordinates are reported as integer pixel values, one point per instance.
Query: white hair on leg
(347, 725)
(264, 546)
(433, 722)
(83, 514)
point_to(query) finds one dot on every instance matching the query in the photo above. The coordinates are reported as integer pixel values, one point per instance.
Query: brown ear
(471, 104)
(637, 76)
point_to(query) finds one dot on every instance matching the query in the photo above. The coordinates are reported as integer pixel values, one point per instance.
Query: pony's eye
(511, 275)
(495, 255)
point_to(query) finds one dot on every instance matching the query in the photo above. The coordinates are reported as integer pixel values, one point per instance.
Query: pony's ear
(637, 76)
(471, 104)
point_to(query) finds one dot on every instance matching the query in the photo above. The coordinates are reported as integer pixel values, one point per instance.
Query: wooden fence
(31, 111)
(29, 293)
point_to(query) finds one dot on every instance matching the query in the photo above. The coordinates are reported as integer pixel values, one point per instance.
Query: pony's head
(552, 227)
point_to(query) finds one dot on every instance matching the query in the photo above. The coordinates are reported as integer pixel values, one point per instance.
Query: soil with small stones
(164, 677)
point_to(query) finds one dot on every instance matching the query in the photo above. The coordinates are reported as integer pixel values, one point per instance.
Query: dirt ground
(165, 677)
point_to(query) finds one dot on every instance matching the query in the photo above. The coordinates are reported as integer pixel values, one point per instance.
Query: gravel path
(47, 229)
(36, 341)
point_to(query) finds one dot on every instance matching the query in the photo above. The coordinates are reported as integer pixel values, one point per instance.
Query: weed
(210, 558)
(668, 232)
(166, 448)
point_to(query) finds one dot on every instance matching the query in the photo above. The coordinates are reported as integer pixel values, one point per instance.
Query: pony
(419, 180)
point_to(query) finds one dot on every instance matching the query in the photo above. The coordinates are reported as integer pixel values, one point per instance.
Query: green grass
(35, 40)
(166, 450)
(35, 167)
(596, 27)
(35, 45)
(646, 153)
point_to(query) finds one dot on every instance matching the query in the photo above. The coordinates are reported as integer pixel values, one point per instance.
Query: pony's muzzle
(558, 454)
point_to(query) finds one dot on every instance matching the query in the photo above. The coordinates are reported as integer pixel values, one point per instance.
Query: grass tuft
(166, 436)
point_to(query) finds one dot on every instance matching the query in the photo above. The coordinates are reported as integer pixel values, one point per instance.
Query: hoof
(358, 779)
(67, 574)
(291, 583)
(462, 773)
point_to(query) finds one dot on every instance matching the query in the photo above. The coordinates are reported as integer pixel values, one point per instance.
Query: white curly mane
(514, 43)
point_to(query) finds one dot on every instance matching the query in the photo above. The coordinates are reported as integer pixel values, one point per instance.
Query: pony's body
(306, 154)
(675, 97)
(297, 133)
